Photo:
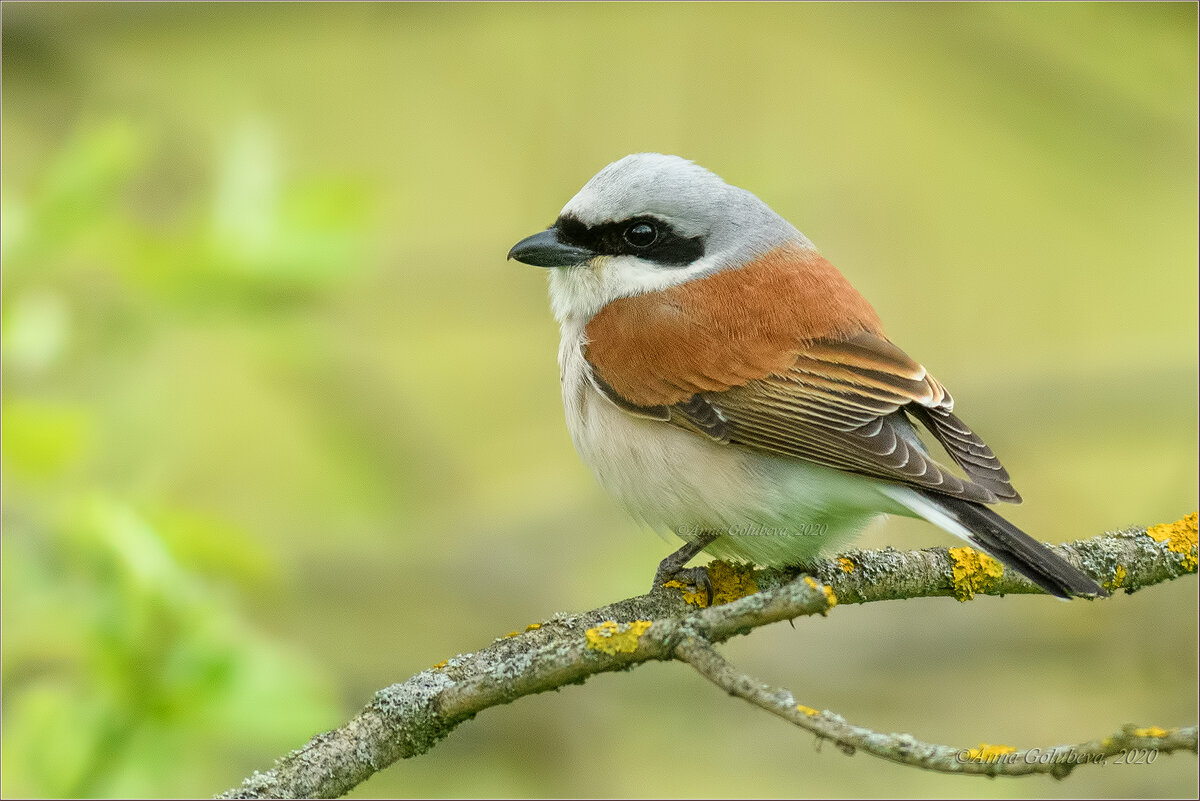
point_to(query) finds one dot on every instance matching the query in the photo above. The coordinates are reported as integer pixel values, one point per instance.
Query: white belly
(770, 510)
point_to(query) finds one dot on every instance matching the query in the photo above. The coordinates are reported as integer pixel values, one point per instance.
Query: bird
(725, 382)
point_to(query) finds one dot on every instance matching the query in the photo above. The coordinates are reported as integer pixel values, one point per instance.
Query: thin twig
(1057, 761)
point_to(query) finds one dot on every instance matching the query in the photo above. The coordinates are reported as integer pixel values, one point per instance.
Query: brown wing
(843, 404)
(784, 355)
(722, 330)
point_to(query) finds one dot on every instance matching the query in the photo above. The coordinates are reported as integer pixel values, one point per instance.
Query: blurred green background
(281, 426)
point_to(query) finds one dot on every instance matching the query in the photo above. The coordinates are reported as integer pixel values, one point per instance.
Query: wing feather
(845, 404)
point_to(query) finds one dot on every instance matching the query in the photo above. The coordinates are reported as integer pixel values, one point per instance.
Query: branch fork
(409, 718)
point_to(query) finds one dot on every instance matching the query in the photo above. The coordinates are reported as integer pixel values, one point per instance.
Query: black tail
(999, 538)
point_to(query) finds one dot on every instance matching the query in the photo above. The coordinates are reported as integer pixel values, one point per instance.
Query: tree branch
(409, 718)
(1058, 761)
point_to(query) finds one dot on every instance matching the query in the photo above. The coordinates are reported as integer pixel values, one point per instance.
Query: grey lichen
(409, 718)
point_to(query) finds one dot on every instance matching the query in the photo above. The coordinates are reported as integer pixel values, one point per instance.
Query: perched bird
(725, 381)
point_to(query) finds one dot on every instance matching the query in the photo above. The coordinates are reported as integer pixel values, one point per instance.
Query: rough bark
(409, 718)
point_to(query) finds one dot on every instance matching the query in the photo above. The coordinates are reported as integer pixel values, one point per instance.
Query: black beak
(544, 249)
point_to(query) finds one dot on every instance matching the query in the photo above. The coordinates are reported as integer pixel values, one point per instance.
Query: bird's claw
(686, 577)
(672, 569)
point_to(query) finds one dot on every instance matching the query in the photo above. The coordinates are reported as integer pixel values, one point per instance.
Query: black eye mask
(644, 236)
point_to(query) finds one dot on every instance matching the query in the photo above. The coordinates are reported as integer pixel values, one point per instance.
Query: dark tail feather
(999, 538)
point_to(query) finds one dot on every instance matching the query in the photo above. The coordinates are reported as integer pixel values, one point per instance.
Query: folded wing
(844, 405)
(783, 355)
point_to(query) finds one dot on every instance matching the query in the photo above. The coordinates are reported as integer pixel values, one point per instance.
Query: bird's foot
(695, 583)
(672, 569)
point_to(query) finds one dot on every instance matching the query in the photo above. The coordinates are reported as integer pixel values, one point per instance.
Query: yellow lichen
(1180, 538)
(729, 582)
(973, 572)
(440, 665)
(511, 634)
(830, 596)
(808, 710)
(846, 563)
(611, 637)
(533, 627)
(988, 753)
(1118, 578)
(691, 595)
(1150, 731)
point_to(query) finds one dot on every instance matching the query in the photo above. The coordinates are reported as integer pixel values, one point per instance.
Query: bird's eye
(641, 235)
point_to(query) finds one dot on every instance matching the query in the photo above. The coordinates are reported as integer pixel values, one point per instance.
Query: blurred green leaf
(151, 653)
(36, 329)
(41, 439)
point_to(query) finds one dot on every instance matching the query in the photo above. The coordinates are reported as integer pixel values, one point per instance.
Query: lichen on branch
(410, 718)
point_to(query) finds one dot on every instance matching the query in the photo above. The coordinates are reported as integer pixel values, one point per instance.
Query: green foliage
(125, 667)
(126, 661)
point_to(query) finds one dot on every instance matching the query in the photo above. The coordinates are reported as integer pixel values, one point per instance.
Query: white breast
(774, 510)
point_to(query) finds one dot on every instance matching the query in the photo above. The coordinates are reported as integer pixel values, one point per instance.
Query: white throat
(578, 293)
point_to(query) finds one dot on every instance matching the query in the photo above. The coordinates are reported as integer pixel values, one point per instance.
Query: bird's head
(645, 223)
